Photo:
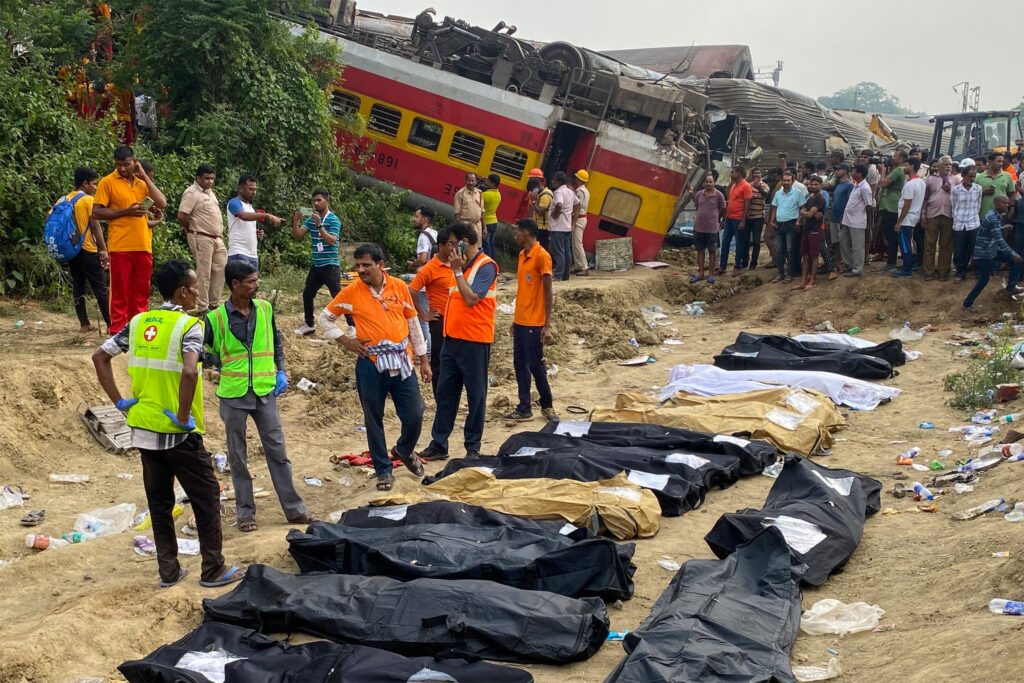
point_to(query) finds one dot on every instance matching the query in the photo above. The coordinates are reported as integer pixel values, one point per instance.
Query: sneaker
(305, 330)
(518, 416)
(550, 415)
(959, 278)
(472, 454)
(431, 453)
(851, 274)
(900, 273)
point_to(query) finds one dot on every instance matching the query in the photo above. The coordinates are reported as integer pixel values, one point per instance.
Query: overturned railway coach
(436, 109)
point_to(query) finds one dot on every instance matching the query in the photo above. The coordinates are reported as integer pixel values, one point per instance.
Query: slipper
(833, 275)
(710, 279)
(33, 518)
(412, 461)
(232, 575)
(694, 279)
(182, 573)
(385, 482)
(17, 490)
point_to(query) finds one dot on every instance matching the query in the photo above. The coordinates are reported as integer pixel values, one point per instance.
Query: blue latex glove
(123, 404)
(187, 426)
(281, 383)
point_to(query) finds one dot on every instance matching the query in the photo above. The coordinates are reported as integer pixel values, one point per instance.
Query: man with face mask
(244, 233)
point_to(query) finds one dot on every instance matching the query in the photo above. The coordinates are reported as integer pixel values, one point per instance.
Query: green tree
(866, 96)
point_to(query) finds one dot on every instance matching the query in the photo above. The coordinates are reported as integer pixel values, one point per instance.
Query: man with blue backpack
(74, 237)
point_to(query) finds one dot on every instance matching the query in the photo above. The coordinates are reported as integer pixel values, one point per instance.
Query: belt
(204, 234)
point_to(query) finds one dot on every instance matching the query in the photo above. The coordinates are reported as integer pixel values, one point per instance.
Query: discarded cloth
(819, 510)
(621, 508)
(796, 420)
(266, 660)
(734, 619)
(471, 619)
(708, 380)
(567, 561)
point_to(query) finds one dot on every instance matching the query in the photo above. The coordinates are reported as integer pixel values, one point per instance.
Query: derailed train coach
(443, 98)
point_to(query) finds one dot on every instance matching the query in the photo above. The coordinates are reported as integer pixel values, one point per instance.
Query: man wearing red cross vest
(466, 353)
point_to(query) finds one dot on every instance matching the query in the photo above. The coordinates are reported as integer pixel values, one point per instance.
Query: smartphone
(306, 212)
(146, 203)
(463, 248)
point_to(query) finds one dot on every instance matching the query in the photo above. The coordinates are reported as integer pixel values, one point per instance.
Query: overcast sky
(816, 41)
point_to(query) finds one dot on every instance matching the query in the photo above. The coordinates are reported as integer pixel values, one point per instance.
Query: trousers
(730, 229)
(528, 360)
(86, 268)
(268, 425)
(938, 230)
(374, 387)
(189, 463)
(754, 227)
(890, 232)
(436, 343)
(787, 248)
(983, 269)
(579, 255)
(317, 277)
(130, 272)
(463, 364)
(851, 245)
(211, 256)
(561, 254)
(963, 249)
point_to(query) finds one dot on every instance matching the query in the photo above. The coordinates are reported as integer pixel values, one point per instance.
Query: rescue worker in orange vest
(468, 335)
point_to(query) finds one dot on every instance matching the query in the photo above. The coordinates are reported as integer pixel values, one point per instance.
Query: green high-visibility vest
(154, 365)
(241, 367)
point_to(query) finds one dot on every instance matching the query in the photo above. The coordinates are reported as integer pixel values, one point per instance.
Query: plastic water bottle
(922, 491)
(1012, 417)
(1001, 606)
(912, 453)
(1015, 515)
(1015, 458)
(43, 542)
(1011, 450)
(78, 536)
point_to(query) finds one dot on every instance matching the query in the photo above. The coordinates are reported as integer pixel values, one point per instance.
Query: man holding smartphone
(324, 230)
(123, 199)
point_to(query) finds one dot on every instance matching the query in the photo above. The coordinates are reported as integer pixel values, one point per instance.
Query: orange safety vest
(472, 323)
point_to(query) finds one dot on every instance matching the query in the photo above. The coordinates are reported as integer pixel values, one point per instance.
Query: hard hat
(966, 163)
(536, 173)
(582, 176)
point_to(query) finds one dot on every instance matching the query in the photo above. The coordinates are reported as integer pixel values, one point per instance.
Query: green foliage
(971, 385)
(866, 96)
(378, 217)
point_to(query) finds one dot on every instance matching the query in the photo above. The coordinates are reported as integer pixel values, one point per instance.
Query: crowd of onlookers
(905, 212)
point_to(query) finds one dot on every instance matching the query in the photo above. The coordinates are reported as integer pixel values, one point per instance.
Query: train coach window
(426, 134)
(621, 206)
(344, 104)
(509, 162)
(384, 120)
(467, 148)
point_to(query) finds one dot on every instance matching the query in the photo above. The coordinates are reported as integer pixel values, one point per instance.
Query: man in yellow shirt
(491, 200)
(92, 260)
(123, 199)
(540, 202)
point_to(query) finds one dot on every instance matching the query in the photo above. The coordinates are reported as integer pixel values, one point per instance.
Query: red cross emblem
(150, 333)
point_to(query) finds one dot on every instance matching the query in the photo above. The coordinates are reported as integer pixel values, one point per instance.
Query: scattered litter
(832, 616)
(616, 635)
(69, 478)
(190, 528)
(978, 510)
(667, 564)
(346, 481)
(143, 522)
(638, 360)
(891, 511)
(1011, 607)
(336, 516)
(919, 467)
(693, 309)
(928, 507)
(673, 342)
(112, 520)
(832, 651)
(944, 453)
(653, 315)
(1001, 554)
(634, 343)
(312, 481)
(926, 425)
(305, 385)
(651, 264)
(906, 333)
(125, 475)
(1017, 514)
(507, 309)
(773, 470)
(882, 628)
(818, 673)
(220, 461)
(983, 417)
(553, 370)
(210, 665)
(825, 326)
(361, 428)
(11, 497)
(18, 324)
(898, 490)
(961, 489)
(912, 355)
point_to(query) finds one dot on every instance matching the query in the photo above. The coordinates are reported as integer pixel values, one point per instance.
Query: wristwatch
(458, 274)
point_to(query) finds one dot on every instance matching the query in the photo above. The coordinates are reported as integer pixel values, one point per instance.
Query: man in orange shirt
(436, 277)
(736, 209)
(531, 326)
(384, 336)
(123, 200)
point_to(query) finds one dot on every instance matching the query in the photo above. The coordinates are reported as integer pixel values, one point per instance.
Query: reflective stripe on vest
(472, 323)
(155, 364)
(241, 367)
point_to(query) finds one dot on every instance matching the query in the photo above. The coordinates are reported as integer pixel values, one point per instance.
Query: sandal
(694, 279)
(412, 461)
(710, 279)
(34, 518)
(232, 575)
(182, 573)
(247, 525)
(17, 490)
(385, 482)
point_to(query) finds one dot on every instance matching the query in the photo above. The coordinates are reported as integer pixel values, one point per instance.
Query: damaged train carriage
(441, 99)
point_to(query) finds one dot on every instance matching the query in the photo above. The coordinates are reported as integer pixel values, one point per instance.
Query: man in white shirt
(910, 214)
(560, 225)
(243, 232)
(855, 222)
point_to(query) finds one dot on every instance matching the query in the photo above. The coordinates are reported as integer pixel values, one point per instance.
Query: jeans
(251, 260)
(317, 277)
(730, 228)
(189, 463)
(424, 327)
(1016, 269)
(983, 268)
(787, 247)
(528, 359)
(889, 233)
(561, 254)
(918, 245)
(374, 387)
(86, 267)
(906, 241)
(463, 364)
(436, 343)
(488, 246)
(750, 254)
(826, 255)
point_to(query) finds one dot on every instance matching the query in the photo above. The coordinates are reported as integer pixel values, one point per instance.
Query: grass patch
(971, 386)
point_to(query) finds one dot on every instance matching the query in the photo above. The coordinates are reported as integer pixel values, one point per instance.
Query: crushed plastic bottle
(1011, 607)
(912, 453)
(693, 309)
(983, 417)
(921, 492)
(220, 462)
(1017, 514)
(978, 510)
(773, 470)
(69, 478)
(926, 425)
(961, 489)
(616, 635)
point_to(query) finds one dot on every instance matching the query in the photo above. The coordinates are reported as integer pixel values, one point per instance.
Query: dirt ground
(82, 610)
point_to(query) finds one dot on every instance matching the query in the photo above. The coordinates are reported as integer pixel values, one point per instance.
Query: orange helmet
(535, 173)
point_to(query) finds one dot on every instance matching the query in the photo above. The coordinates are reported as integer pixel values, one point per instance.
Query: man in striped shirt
(324, 230)
(989, 247)
(965, 203)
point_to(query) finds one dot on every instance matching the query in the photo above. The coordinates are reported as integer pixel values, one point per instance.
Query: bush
(971, 386)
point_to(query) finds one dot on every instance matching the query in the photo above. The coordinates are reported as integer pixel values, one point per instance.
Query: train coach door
(570, 149)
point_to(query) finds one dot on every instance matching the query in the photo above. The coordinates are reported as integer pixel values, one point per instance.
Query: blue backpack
(60, 232)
